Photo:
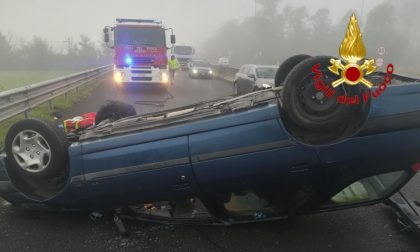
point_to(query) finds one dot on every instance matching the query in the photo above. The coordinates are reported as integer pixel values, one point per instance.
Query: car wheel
(36, 150)
(310, 109)
(287, 66)
(114, 110)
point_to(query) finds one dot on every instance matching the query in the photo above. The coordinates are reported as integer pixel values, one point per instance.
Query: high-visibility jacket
(174, 64)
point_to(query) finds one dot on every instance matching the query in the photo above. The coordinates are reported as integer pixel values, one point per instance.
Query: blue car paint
(397, 99)
(264, 153)
(270, 156)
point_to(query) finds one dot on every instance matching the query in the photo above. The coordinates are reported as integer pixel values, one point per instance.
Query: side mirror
(173, 39)
(106, 38)
(106, 35)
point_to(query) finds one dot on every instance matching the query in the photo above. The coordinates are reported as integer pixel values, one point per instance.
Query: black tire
(287, 66)
(114, 110)
(41, 137)
(315, 114)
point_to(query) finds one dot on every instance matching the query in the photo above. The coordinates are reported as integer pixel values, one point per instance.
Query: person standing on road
(173, 66)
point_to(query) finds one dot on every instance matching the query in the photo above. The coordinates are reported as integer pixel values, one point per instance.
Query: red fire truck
(140, 52)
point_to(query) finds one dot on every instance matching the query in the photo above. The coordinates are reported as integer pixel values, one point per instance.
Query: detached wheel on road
(287, 66)
(114, 110)
(316, 117)
(36, 150)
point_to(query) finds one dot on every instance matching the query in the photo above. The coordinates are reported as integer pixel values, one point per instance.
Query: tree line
(274, 34)
(39, 54)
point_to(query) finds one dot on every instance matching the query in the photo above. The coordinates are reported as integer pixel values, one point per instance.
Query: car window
(266, 72)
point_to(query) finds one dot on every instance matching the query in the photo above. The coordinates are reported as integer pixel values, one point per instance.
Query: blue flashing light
(128, 60)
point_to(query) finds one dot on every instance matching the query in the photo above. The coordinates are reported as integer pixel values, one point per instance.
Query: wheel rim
(31, 151)
(315, 101)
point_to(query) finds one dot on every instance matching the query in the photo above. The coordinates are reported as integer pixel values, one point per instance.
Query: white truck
(184, 54)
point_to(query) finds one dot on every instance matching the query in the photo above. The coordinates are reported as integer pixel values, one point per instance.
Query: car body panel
(246, 149)
(247, 79)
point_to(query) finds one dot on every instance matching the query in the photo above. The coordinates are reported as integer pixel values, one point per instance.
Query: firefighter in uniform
(173, 66)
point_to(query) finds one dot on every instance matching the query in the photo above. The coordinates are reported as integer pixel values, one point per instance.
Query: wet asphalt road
(372, 228)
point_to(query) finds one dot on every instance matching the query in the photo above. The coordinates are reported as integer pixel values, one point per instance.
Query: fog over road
(372, 228)
(185, 91)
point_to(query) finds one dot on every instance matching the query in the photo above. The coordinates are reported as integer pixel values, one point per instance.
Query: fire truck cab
(140, 52)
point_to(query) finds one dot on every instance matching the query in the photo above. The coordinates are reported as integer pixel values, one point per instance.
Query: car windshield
(201, 64)
(133, 35)
(266, 72)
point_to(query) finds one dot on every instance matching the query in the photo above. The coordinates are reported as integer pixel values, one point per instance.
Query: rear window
(266, 72)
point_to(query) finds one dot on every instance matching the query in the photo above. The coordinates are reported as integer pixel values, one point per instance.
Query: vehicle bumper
(143, 75)
(201, 75)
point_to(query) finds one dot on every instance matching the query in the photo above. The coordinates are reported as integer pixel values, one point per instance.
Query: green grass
(18, 78)
(42, 111)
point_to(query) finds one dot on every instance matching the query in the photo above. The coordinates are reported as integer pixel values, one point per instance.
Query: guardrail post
(26, 114)
(50, 105)
(65, 96)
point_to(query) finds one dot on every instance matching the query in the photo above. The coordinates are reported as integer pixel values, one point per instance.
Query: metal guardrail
(23, 99)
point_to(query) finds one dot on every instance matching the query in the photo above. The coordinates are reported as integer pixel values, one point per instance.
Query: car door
(253, 170)
(241, 79)
(139, 167)
(251, 79)
(247, 81)
(363, 169)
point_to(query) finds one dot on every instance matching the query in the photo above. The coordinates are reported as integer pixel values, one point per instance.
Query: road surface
(364, 229)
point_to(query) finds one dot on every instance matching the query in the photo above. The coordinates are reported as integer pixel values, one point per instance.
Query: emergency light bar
(152, 21)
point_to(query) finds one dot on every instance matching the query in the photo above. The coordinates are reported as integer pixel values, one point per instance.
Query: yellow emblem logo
(352, 51)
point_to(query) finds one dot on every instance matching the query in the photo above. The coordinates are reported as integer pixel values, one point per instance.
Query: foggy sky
(192, 20)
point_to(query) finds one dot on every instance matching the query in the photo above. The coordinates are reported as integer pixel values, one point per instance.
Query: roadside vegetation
(10, 79)
(24, 62)
(61, 104)
(279, 30)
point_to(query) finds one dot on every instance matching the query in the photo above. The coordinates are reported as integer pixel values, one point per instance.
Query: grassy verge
(13, 79)
(60, 104)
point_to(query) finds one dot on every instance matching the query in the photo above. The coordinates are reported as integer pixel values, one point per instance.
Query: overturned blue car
(269, 154)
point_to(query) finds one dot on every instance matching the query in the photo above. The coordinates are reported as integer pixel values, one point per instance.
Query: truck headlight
(210, 71)
(118, 77)
(164, 78)
(195, 71)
